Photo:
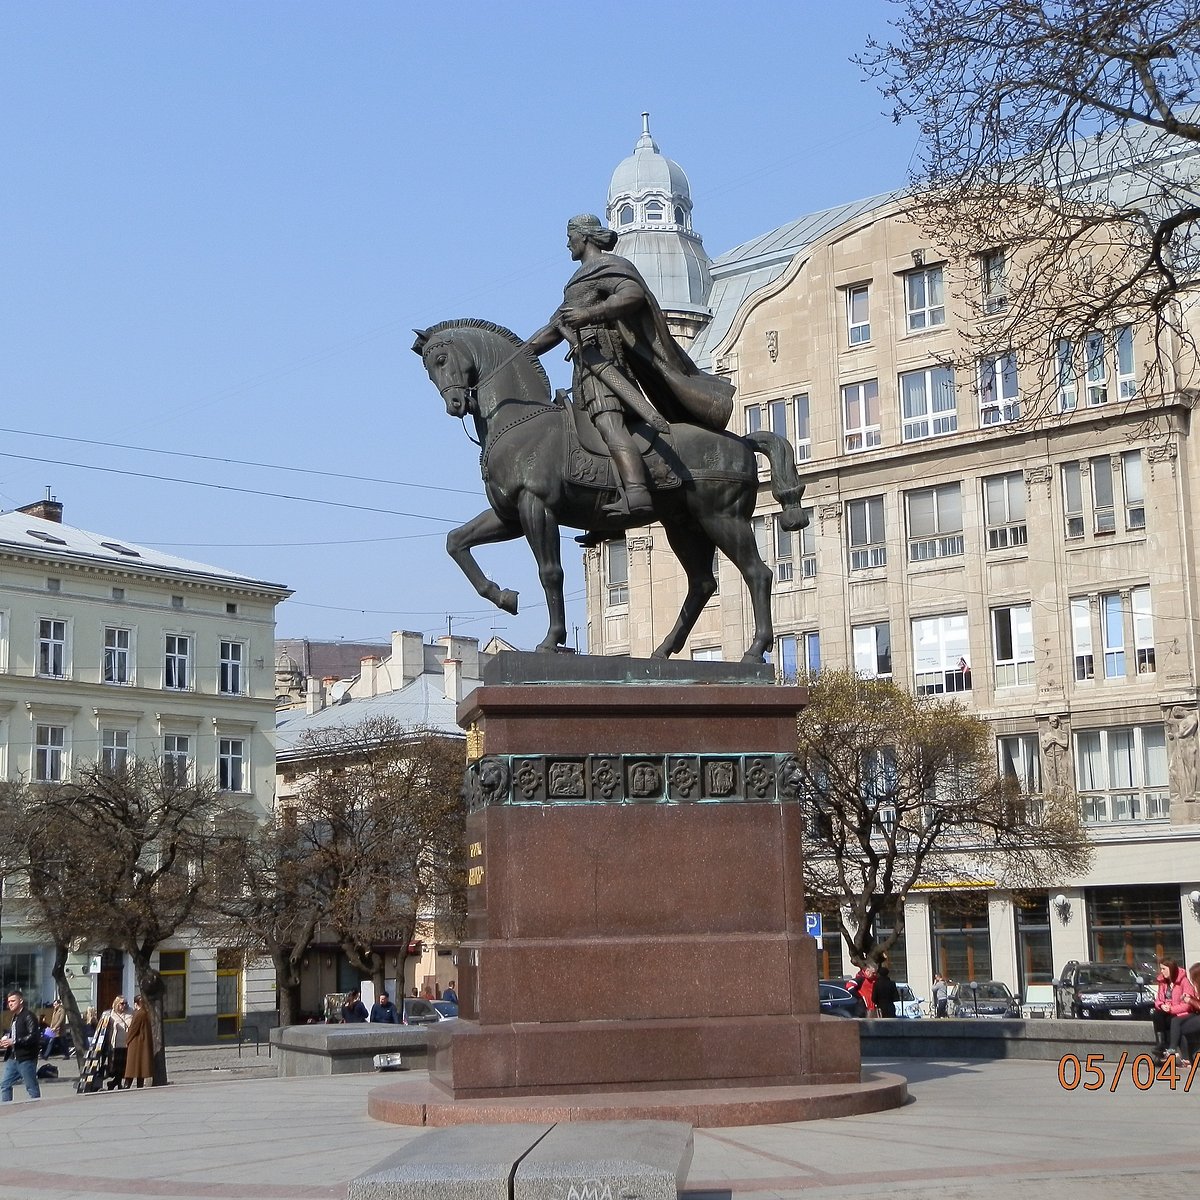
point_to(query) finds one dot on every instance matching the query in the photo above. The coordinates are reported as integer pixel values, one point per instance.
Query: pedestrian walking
(20, 1045)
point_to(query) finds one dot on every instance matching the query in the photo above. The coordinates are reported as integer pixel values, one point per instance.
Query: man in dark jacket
(384, 1011)
(354, 1011)
(20, 1050)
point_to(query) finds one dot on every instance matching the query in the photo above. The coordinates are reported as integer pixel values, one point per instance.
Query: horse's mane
(507, 334)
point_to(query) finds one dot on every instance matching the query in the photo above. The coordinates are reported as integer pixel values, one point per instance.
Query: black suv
(1109, 991)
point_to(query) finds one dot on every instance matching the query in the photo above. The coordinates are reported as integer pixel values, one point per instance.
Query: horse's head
(451, 365)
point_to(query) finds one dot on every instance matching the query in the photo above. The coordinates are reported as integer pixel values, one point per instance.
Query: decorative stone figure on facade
(1181, 734)
(639, 404)
(1055, 744)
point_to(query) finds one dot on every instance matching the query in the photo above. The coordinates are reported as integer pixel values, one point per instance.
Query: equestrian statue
(641, 438)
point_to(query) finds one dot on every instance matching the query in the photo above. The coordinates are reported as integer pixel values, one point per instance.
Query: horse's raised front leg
(694, 549)
(541, 531)
(480, 531)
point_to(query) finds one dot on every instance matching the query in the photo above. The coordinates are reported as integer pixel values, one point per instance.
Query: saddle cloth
(589, 465)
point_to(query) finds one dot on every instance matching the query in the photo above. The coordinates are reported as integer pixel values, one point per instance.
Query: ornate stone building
(1045, 576)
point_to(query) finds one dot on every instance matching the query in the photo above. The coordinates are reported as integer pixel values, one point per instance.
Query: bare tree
(900, 791)
(120, 858)
(1059, 168)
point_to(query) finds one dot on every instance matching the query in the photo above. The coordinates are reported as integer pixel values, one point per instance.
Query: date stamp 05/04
(1093, 1073)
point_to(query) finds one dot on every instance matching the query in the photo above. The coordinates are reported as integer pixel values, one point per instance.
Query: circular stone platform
(417, 1102)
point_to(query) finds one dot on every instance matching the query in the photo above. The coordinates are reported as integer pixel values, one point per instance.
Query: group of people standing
(1176, 1013)
(875, 990)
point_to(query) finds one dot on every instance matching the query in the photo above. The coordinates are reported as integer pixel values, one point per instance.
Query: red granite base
(416, 1102)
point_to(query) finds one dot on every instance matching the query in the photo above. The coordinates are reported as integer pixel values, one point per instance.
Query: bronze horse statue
(541, 470)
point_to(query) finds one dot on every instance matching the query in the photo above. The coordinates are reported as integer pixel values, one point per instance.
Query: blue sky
(222, 220)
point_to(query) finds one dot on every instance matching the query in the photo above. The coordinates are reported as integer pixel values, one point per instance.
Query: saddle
(588, 463)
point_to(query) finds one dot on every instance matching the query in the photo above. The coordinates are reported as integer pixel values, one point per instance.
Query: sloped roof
(25, 534)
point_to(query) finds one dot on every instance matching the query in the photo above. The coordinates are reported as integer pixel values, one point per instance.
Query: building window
(924, 299)
(1081, 637)
(1109, 369)
(654, 211)
(1103, 513)
(993, 279)
(1072, 489)
(1135, 496)
(1035, 959)
(116, 656)
(616, 564)
(808, 552)
(784, 571)
(231, 764)
(1004, 511)
(771, 416)
(625, 214)
(868, 539)
(999, 400)
(707, 654)
(176, 601)
(940, 650)
(803, 428)
(172, 966)
(1143, 630)
(1012, 645)
(934, 522)
(872, 650)
(114, 750)
(858, 315)
(1019, 761)
(176, 754)
(177, 662)
(860, 414)
(1135, 924)
(52, 647)
(1112, 627)
(798, 654)
(50, 747)
(928, 404)
(962, 944)
(1122, 773)
(230, 671)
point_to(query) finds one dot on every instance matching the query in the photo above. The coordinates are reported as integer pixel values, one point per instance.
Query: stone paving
(973, 1130)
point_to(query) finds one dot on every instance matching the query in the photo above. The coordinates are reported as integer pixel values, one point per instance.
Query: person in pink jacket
(1185, 1023)
(1169, 977)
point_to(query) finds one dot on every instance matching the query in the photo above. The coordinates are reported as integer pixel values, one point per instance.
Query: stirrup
(635, 502)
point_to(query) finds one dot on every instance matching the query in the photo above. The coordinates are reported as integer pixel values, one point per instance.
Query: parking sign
(812, 926)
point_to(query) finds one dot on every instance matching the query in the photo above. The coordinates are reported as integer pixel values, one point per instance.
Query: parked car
(991, 1000)
(422, 1012)
(835, 1000)
(909, 1004)
(447, 1008)
(1110, 991)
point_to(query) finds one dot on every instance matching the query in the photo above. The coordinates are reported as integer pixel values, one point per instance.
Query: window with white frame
(872, 646)
(52, 647)
(925, 299)
(1072, 491)
(176, 759)
(707, 654)
(999, 398)
(1012, 645)
(941, 650)
(865, 530)
(1109, 371)
(230, 681)
(1104, 515)
(800, 410)
(625, 214)
(1113, 631)
(784, 569)
(1143, 630)
(1081, 639)
(860, 415)
(934, 522)
(654, 210)
(177, 661)
(1122, 773)
(858, 314)
(1004, 511)
(771, 416)
(616, 571)
(50, 752)
(1135, 494)
(808, 551)
(231, 764)
(118, 662)
(1018, 760)
(114, 750)
(993, 279)
(798, 654)
(928, 403)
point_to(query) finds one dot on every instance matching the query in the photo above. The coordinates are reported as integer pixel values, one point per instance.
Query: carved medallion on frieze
(565, 780)
(720, 778)
(645, 779)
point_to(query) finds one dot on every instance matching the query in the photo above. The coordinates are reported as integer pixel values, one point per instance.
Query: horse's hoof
(753, 656)
(507, 600)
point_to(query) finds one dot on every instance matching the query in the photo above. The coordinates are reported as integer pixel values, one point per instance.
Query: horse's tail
(786, 485)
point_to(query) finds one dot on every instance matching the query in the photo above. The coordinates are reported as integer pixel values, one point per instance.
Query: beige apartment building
(1044, 576)
(110, 650)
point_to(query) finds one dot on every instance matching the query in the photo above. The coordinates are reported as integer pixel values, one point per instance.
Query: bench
(647, 1159)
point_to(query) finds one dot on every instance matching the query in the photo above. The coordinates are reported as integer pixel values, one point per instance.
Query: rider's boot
(634, 484)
